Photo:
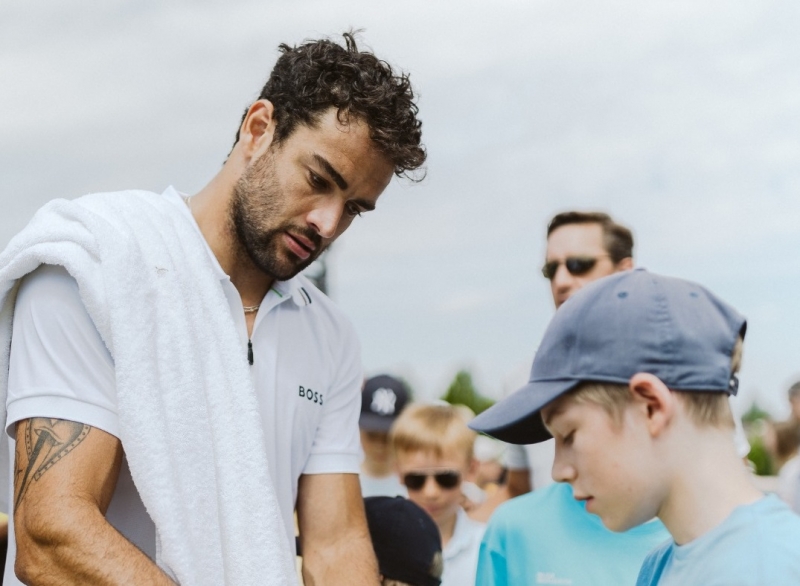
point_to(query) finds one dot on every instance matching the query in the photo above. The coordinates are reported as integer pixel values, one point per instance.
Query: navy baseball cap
(382, 400)
(629, 322)
(406, 541)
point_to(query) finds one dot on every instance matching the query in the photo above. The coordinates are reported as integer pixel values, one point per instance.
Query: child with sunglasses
(433, 447)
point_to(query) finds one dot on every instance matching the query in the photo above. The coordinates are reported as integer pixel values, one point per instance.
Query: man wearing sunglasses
(581, 247)
(547, 537)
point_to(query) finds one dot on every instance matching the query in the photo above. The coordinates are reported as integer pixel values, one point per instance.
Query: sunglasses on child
(444, 478)
(576, 265)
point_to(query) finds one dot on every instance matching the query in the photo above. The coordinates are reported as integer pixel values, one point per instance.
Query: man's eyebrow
(335, 175)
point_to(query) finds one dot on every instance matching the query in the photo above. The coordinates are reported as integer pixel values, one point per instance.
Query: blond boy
(632, 380)
(433, 452)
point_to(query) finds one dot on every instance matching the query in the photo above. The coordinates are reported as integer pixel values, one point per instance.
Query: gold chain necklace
(246, 308)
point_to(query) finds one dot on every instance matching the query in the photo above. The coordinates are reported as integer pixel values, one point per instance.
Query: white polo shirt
(306, 371)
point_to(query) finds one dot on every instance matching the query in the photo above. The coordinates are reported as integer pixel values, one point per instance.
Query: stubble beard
(256, 203)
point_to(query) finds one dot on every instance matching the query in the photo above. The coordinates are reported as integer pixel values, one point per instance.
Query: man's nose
(325, 217)
(562, 280)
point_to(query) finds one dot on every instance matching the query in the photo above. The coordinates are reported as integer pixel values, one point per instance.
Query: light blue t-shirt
(547, 537)
(757, 545)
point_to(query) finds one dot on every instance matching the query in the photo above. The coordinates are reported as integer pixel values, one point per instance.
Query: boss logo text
(310, 395)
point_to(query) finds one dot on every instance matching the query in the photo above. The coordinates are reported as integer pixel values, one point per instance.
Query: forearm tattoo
(42, 444)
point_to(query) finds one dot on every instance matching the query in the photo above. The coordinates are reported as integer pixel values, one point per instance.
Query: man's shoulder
(100, 199)
(309, 296)
(112, 217)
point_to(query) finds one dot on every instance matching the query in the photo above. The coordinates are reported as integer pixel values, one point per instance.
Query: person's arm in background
(518, 482)
(64, 476)
(334, 536)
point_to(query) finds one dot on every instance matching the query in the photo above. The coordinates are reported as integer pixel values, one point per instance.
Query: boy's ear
(655, 398)
(257, 129)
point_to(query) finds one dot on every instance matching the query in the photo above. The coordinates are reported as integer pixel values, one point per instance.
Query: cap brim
(517, 419)
(372, 422)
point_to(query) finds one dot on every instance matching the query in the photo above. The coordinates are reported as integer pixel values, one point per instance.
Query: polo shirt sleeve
(59, 366)
(336, 448)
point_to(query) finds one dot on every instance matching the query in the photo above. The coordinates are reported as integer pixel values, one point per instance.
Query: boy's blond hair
(435, 428)
(704, 408)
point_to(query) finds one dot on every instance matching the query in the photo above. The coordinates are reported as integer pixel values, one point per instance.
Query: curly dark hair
(617, 238)
(309, 79)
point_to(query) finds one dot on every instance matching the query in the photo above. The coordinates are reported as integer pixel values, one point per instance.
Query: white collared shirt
(461, 552)
(306, 372)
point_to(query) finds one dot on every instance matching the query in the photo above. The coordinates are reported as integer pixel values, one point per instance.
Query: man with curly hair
(169, 366)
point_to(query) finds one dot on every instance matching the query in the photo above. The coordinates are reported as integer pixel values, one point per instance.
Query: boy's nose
(562, 471)
(430, 487)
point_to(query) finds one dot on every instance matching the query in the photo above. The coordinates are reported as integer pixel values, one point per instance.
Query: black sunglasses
(576, 265)
(444, 478)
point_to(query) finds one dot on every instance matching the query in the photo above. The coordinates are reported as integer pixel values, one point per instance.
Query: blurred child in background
(383, 398)
(491, 472)
(406, 542)
(433, 450)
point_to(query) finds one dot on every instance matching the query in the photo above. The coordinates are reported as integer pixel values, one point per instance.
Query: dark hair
(309, 79)
(618, 239)
(794, 390)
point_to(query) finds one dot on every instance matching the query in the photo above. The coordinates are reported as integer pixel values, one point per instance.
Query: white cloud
(680, 118)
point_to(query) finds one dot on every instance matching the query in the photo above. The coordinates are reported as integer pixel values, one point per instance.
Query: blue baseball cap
(620, 325)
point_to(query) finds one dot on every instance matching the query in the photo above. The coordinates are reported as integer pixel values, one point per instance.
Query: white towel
(188, 413)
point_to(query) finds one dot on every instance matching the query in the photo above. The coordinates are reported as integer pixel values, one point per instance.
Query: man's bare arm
(64, 476)
(334, 537)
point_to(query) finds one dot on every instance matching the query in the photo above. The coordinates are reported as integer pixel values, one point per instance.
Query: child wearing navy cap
(383, 398)
(632, 379)
(406, 542)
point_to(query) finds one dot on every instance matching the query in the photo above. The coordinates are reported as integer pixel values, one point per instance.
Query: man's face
(439, 502)
(606, 462)
(295, 198)
(578, 241)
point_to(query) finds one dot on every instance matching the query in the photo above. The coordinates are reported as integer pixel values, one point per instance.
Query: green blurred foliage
(755, 421)
(754, 414)
(760, 457)
(462, 392)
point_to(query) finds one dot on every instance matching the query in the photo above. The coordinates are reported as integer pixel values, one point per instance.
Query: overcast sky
(680, 118)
